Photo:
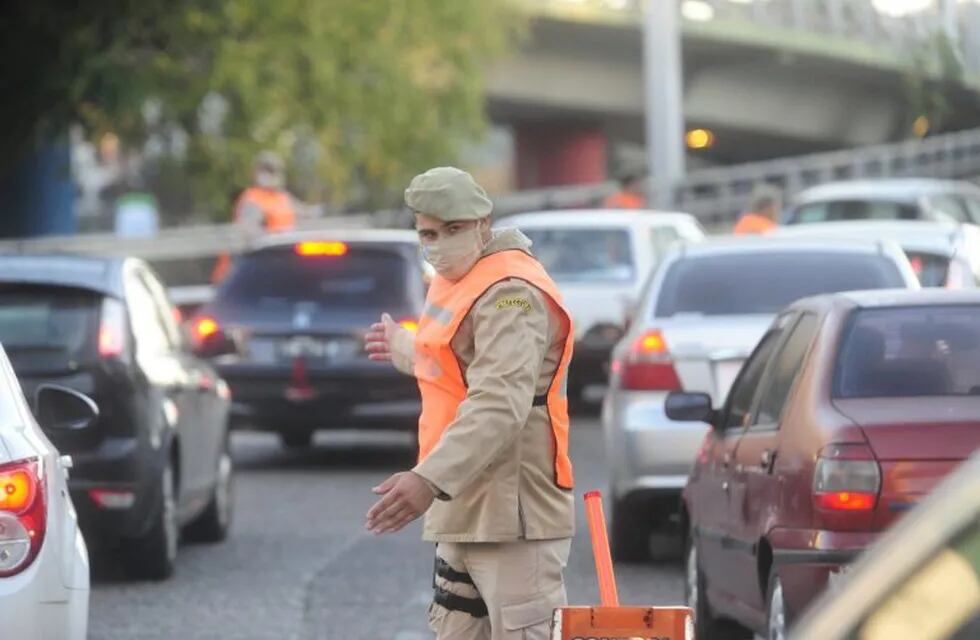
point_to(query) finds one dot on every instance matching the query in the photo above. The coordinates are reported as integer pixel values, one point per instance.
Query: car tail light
(22, 515)
(112, 329)
(846, 479)
(410, 324)
(112, 499)
(320, 248)
(204, 328)
(647, 366)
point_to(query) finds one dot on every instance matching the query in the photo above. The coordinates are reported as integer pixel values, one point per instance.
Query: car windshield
(911, 351)
(764, 283)
(584, 255)
(44, 328)
(837, 210)
(360, 278)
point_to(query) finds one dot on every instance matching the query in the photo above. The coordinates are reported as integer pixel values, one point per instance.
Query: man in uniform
(493, 479)
(763, 214)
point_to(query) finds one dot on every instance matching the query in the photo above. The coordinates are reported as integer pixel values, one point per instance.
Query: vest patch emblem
(513, 303)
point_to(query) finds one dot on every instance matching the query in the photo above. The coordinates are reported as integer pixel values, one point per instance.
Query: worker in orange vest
(493, 478)
(265, 206)
(763, 213)
(630, 194)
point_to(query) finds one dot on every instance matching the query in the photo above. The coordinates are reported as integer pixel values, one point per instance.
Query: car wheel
(706, 626)
(154, 555)
(215, 521)
(296, 439)
(776, 618)
(630, 534)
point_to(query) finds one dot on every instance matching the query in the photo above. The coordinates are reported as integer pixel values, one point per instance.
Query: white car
(44, 568)
(943, 254)
(699, 319)
(600, 260)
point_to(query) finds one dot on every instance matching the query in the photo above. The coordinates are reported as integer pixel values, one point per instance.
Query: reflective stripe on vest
(437, 368)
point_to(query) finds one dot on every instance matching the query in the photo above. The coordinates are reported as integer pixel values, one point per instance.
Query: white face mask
(453, 257)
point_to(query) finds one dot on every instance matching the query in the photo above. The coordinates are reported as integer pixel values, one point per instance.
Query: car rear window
(932, 269)
(584, 255)
(837, 210)
(48, 327)
(910, 351)
(362, 278)
(764, 283)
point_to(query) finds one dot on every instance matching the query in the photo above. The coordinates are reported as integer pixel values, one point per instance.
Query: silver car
(700, 316)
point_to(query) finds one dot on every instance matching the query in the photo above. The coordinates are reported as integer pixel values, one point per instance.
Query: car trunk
(597, 304)
(917, 442)
(708, 351)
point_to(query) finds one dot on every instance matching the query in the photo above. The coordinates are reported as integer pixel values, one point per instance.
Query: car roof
(592, 218)
(896, 189)
(892, 298)
(728, 245)
(912, 235)
(103, 275)
(379, 236)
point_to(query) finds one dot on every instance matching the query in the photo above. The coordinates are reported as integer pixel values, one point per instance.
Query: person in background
(763, 213)
(630, 194)
(265, 206)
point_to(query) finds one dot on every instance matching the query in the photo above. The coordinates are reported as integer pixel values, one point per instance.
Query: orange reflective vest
(276, 206)
(753, 223)
(437, 368)
(624, 200)
(277, 215)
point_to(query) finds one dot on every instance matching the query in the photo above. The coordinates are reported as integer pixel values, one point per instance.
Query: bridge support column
(555, 155)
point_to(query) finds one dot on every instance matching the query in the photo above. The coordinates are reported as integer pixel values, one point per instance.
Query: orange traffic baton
(609, 620)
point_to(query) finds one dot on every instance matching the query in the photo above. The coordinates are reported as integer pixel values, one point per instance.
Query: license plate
(725, 373)
(323, 350)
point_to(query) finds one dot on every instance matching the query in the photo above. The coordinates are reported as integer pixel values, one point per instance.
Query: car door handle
(765, 460)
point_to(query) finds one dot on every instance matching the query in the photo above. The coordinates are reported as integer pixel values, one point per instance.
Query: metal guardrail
(717, 196)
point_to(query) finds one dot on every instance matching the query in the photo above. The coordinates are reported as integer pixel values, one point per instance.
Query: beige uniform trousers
(521, 583)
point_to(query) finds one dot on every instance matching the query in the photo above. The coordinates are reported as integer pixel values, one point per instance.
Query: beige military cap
(448, 193)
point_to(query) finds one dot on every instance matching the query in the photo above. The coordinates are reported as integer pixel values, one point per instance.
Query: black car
(156, 459)
(298, 306)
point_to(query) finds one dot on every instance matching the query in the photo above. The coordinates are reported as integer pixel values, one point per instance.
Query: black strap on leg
(540, 401)
(446, 572)
(476, 607)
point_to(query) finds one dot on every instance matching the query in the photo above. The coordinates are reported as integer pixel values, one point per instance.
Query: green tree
(361, 93)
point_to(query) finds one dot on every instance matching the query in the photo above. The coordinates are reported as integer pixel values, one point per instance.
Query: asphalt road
(299, 565)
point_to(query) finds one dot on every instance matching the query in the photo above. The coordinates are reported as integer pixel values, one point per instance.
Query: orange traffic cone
(609, 620)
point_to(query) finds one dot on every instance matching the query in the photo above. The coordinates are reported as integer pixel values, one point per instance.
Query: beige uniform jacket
(494, 465)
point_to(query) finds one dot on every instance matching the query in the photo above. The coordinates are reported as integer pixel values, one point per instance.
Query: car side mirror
(690, 407)
(215, 344)
(63, 409)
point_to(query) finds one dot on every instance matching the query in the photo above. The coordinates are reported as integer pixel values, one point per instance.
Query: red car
(850, 409)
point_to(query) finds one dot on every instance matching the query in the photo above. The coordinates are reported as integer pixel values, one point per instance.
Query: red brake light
(112, 329)
(917, 265)
(22, 515)
(205, 327)
(410, 324)
(846, 501)
(319, 248)
(647, 366)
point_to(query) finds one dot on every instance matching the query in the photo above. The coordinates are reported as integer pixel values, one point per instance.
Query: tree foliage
(352, 93)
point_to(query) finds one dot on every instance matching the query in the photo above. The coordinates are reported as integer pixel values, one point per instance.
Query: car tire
(630, 534)
(296, 439)
(215, 521)
(777, 618)
(706, 626)
(153, 556)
